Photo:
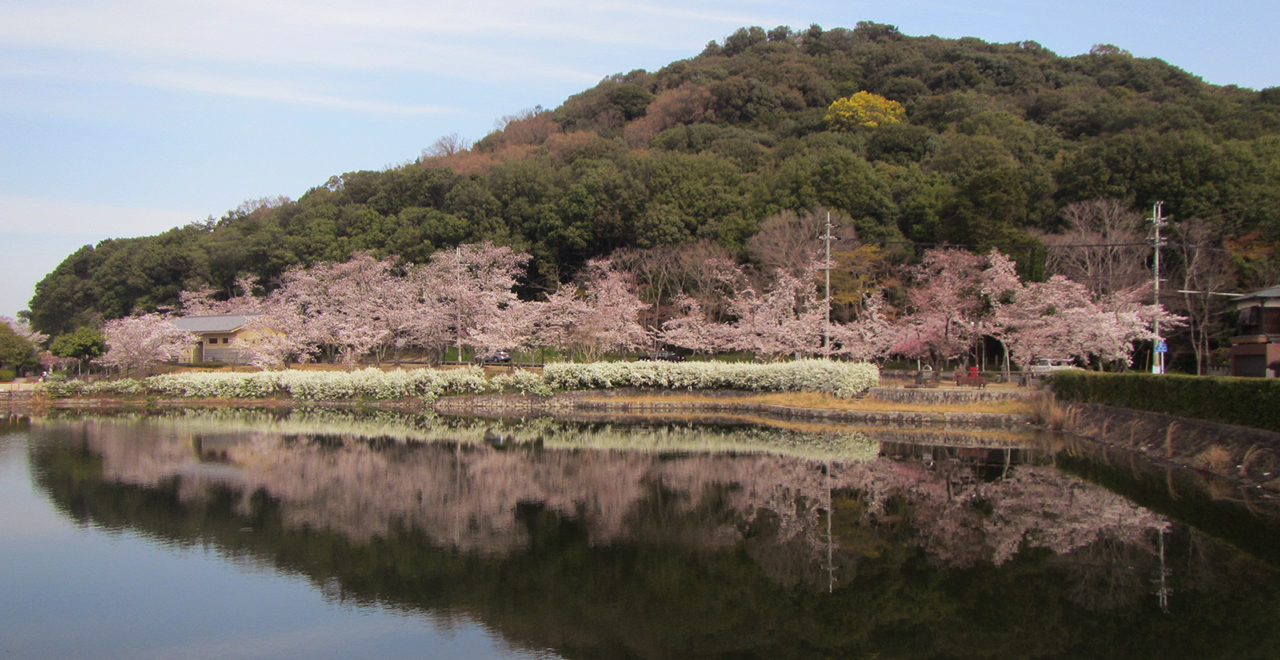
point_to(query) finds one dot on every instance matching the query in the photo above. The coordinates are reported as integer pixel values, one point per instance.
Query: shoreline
(1246, 456)
(628, 401)
(633, 402)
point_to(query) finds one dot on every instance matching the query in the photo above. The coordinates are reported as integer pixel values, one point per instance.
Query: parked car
(498, 357)
(666, 356)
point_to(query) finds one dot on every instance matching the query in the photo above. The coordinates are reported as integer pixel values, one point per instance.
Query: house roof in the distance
(218, 323)
(1267, 297)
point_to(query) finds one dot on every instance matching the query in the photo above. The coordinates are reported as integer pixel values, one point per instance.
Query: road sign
(1162, 347)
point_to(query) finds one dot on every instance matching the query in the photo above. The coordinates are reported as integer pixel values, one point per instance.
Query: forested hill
(995, 140)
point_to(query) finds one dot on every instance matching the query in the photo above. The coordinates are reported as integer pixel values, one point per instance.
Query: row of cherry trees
(465, 298)
(954, 300)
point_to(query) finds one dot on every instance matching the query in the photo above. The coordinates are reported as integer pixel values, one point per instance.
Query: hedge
(1252, 402)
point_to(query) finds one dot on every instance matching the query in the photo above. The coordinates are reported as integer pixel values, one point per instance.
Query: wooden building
(218, 337)
(1255, 350)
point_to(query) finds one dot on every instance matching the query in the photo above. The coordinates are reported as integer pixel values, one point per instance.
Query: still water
(333, 535)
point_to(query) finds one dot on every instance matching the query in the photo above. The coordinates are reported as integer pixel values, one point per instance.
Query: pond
(323, 534)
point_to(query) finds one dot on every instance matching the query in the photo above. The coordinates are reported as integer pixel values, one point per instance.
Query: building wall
(217, 347)
(1252, 359)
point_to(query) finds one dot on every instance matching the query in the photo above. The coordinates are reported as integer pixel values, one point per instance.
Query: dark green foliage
(998, 138)
(16, 353)
(84, 344)
(1252, 402)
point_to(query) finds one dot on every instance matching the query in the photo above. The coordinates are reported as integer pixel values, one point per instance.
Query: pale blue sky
(123, 118)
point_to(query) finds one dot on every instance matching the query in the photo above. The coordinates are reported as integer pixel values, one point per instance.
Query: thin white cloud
(273, 90)
(340, 33)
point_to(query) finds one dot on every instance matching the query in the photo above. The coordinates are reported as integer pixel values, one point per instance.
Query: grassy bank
(819, 401)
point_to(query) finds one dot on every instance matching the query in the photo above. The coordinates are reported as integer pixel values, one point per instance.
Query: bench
(972, 381)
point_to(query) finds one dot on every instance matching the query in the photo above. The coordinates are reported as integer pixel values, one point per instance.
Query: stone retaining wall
(598, 402)
(19, 402)
(1236, 452)
(943, 395)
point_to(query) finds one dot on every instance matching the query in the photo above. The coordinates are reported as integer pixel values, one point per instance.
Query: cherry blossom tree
(202, 302)
(944, 305)
(999, 288)
(1047, 319)
(598, 314)
(513, 328)
(409, 315)
(277, 336)
(1121, 319)
(135, 344)
(558, 317)
(471, 286)
(1060, 319)
(692, 329)
(871, 337)
(24, 330)
(341, 304)
(786, 318)
(609, 319)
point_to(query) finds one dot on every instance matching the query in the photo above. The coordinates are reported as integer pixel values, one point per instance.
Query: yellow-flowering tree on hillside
(863, 109)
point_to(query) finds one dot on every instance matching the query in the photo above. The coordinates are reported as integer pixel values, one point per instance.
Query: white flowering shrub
(467, 380)
(59, 388)
(215, 385)
(118, 386)
(369, 383)
(841, 379)
(524, 382)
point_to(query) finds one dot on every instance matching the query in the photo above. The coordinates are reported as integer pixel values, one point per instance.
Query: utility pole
(826, 326)
(1158, 346)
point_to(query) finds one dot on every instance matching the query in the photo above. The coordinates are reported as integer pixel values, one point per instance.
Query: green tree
(84, 344)
(16, 353)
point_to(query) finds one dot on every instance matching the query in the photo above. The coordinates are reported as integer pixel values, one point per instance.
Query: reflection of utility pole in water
(1162, 578)
(831, 566)
(457, 484)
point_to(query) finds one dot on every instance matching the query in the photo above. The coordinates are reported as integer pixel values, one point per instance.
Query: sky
(123, 118)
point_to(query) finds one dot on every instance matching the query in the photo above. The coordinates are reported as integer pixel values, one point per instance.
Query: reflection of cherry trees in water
(468, 497)
(1038, 506)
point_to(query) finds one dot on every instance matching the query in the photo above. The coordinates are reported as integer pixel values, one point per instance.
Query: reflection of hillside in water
(969, 547)
(466, 487)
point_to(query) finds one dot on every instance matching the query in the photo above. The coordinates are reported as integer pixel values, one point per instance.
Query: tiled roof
(1273, 292)
(220, 323)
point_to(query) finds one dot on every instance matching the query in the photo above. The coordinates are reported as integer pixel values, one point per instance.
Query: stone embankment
(625, 401)
(18, 399)
(631, 401)
(946, 395)
(1243, 454)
